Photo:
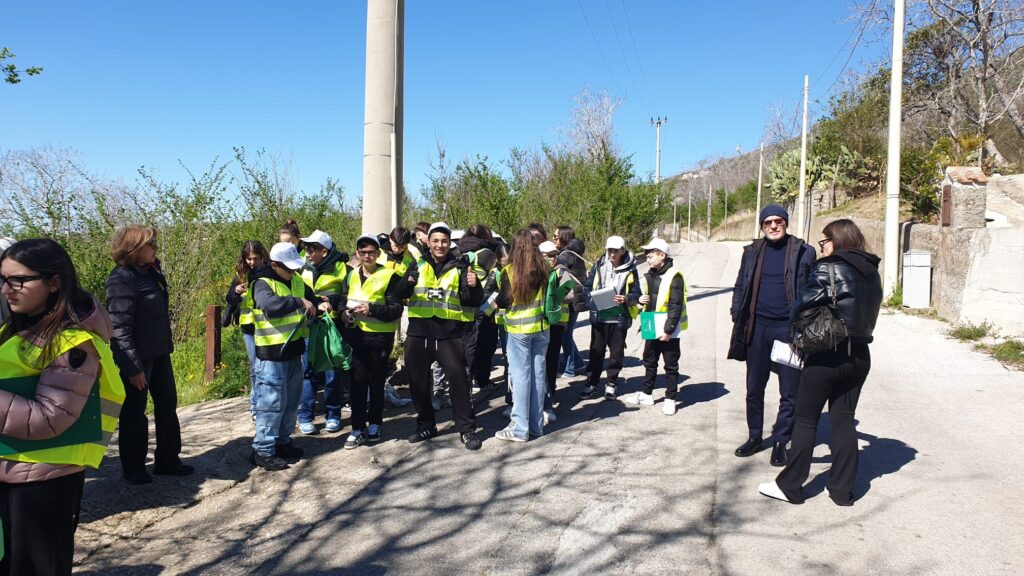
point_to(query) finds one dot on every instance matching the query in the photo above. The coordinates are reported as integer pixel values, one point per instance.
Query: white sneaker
(638, 398)
(772, 490)
(549, 416)
(609, 392)
(668, 407)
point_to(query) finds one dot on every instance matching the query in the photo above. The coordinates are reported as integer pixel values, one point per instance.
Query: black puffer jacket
(137, 303)
(858, 291)
(572, 258)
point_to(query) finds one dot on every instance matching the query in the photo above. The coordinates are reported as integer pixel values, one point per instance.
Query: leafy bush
(895, 300)
(1010, 351)
(969, 332)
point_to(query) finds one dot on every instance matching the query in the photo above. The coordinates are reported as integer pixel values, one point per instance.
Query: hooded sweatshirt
(608, 275)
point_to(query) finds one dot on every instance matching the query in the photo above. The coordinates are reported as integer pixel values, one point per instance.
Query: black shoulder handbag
(820, 328)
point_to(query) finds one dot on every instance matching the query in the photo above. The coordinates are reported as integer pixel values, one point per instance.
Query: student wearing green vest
(373, 308)
(615, 270)
(663, 289)
(325, 273)
(60, 397)
(281, 303)
(239, 302)
(446, 292)
(558, 300)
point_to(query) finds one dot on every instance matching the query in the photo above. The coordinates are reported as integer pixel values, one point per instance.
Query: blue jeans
(526, 361)
(332, 392)
(250, 350)
(278, 385)
(571, 360)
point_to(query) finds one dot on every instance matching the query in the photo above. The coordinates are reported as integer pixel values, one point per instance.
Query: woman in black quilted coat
(835, 376)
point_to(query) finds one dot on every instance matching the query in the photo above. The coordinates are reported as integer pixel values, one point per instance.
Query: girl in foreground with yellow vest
(663, 289)
(239, 302)
(60, 395)
(373, 308)
(521, 293)
(558, 300)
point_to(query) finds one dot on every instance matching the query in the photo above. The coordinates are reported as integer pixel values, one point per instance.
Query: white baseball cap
(369, 238)
(285, 254)
(656, 244)
(439, 227)
(547, 246)
(614, 243)
(319, 237)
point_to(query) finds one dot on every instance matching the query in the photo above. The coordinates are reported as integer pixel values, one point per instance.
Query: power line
(605, 60)
(640, 66)
(625, 61)
(860, 36)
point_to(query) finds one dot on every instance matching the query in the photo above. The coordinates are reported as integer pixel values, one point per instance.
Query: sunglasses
(773, 222)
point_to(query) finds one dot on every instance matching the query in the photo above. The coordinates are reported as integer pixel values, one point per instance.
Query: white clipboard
(784, 354)
(604, 298)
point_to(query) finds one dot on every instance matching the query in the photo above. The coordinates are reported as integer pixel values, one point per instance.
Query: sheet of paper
(784, 354)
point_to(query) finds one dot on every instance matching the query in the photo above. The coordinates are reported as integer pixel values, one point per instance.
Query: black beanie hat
(774, 210)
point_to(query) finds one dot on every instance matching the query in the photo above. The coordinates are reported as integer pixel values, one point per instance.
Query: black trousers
(480, 349)
(759, 368)
(612, 337)
(551, 359)
(369, 371)
(655, 350)
(39, 520)
(451, 355)
(133, 435)
(836, 378)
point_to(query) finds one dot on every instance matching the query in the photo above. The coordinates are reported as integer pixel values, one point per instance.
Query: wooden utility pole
(803, 167)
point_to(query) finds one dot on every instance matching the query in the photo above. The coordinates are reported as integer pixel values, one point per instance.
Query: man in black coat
(771, 273)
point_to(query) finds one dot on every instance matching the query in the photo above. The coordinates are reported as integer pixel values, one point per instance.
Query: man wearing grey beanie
(771, 271)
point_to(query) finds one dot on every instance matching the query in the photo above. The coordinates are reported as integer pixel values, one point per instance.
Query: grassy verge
(968, 332)
(1009, 352)
(232, 375)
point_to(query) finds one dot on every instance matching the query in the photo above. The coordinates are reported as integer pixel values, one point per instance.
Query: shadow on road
(880, 457)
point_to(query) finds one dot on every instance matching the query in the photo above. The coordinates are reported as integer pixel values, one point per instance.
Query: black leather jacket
(858, 291)
(138, 307)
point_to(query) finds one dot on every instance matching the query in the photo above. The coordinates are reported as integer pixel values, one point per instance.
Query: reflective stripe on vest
(245, 310)
(19, 361)
(276, 332)
(371, 292)
(327, 283)
(438, 297)
(661, 302)
(525, 318)
(399, 266)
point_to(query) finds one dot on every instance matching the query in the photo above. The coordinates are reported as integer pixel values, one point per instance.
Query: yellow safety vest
(661, 302)
(438, 297)
(19, 364)
(633, 311)
(399, 266)
(327, 283)
(525, 318)
(272, 334)
(371, 292)
(245, 309)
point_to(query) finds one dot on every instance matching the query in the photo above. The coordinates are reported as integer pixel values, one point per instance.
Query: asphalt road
(608, 489)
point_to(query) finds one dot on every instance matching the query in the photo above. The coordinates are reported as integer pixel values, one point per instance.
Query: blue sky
(130, 84)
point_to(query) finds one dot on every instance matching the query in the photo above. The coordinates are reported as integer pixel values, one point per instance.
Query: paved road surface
(607, 490)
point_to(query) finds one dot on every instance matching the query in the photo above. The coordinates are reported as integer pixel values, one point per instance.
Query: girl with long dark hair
(59, 400)
(239, 300)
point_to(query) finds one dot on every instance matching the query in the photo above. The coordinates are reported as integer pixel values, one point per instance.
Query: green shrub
(968, 332)
(895, 300)
(1011, 351)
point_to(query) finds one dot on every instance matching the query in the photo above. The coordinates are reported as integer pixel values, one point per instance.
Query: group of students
(463, 297)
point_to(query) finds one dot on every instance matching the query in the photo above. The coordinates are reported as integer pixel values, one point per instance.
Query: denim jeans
(250, 350)
(571, 360)
(278, 385)
(526, 361)
(332, 392)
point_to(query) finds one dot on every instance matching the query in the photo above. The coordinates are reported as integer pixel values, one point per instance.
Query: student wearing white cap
(281, 303)
(444, 298)
(615, 270)
(373, 307)
(325, 273)
(663, 289)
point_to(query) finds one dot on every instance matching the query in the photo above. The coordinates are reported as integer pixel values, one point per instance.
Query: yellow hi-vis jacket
(438, 297)
(661, 302)
(99, 415)
(526, 318)
(371, 292)
(328, 283)
(272, 334)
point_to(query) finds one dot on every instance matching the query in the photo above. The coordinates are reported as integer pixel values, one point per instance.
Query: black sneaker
(269, 463)
(138, 477)
(471, 440)
(288, 451)
(422, 435)
(373, 433)
(587, 392)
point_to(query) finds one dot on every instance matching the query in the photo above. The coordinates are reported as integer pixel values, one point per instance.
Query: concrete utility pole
(382, 116)
(708, 239)
(757, 209)
(803, 167)
(892, 173)
(657, 161)
(689, 209)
